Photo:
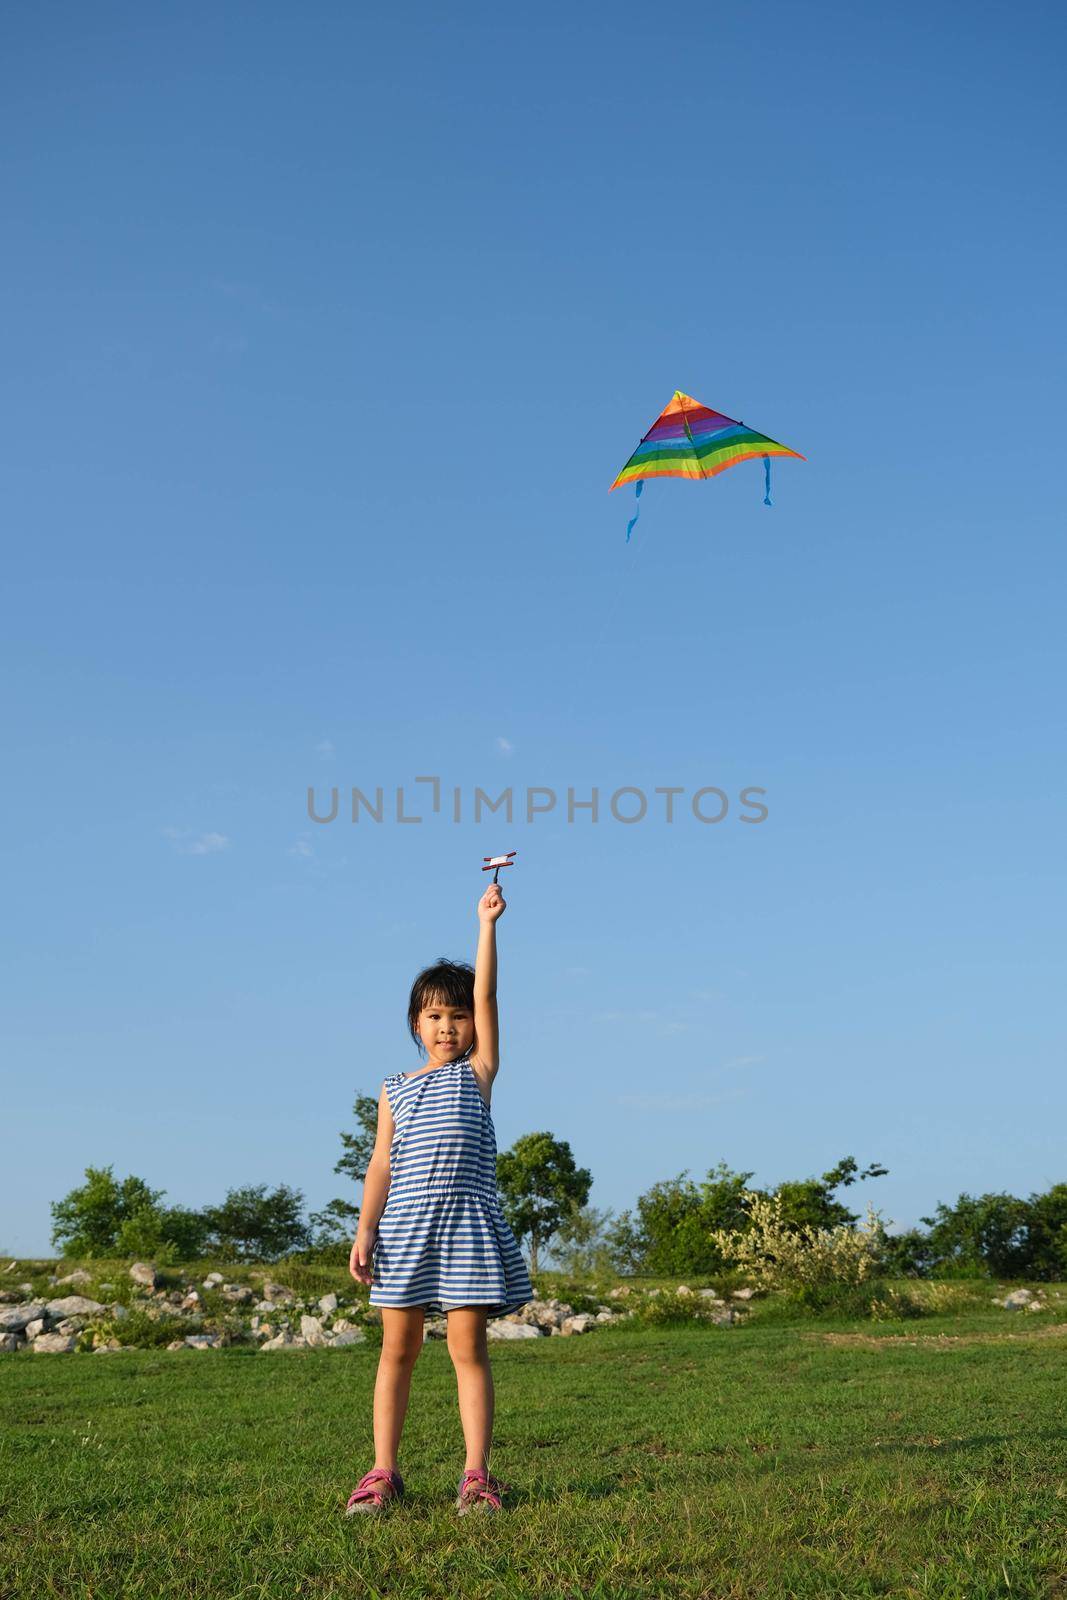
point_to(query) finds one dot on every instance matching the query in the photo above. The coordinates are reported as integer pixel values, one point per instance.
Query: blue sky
(326, 333)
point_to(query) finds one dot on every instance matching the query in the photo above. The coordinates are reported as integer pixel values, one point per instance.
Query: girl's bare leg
(401, 1343)
(469, 1349)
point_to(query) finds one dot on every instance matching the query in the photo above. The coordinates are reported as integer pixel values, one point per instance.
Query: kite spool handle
(498, 862)
(766, 480)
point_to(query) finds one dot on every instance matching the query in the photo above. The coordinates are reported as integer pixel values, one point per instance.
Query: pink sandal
(480, 1491)
(365, 1497)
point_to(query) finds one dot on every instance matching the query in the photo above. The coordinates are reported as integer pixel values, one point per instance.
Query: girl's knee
(400, 1352)
(468, 1349)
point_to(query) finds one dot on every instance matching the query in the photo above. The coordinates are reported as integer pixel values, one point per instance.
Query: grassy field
(918, 1458)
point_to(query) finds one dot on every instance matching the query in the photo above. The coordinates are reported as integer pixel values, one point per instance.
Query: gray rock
(69, 1325)
(176, 1344)
(9, 1341)
(238, 1294)
(683, 1289)
(328, 1304)
(277, 1293)
(107, 1349)
(212, 1279)
(742, 1294)
(713, 1295)
(346, 1337)
(543, 1314)
(33, 1330)
(311, 1331)
(202, 1341)
(284, 1341)
(607, 1316)
(53, 1344)
(500, 1328)
(723, 1316)
(74, 1305)
(264, 1305)
(119, 1311)
(79, 1275)
(144, 1273)
(579, 1324)
(14, 1318)
(1018, 1300)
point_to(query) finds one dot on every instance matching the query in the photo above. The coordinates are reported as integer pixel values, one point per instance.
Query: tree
(809, 1203)
(580, 1246)
(981, 1235)
(1048, 1234)
(111, 1217)
(907, 1254)
(337, 1220)
(92, 1220)
(677, 1219)
(671, 1233)
(539, 1183)
(252, 1225)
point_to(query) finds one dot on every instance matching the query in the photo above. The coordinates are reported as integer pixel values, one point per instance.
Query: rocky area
(140, 1306)
(1022, 1300)
(206, 1315)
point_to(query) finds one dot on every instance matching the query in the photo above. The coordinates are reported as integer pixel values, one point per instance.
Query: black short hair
(449, 982)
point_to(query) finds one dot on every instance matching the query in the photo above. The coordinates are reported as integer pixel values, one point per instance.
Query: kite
(688, 440)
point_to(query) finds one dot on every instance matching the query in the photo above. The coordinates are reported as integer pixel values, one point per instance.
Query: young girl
(432, 1236)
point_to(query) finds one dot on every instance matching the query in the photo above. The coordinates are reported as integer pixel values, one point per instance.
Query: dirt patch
(937, 1341)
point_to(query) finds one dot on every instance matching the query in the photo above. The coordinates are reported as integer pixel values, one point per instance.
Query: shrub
(141, 1331)
(668, 1309)
(777, 1256)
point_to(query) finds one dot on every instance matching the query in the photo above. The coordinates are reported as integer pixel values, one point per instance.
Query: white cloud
(204, 844)
(208, 844)
(505, 746)
(301, 848)
(325, 747)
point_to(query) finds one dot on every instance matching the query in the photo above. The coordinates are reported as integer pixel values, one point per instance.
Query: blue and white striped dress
(443, 1240)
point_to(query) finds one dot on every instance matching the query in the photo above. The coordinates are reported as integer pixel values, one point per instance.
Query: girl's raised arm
(486, 1019)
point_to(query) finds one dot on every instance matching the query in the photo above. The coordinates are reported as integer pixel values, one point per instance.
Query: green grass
(916, 1458)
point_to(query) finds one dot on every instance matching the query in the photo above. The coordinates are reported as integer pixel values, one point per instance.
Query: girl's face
(447, 1031)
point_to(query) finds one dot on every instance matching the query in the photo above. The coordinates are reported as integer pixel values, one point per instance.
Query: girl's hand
(492, 904)
(359, 1260)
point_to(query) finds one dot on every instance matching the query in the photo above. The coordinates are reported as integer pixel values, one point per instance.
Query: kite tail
(637, 513)
(767, 480)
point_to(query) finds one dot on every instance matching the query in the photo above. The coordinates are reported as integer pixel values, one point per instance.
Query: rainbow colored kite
(688, 440)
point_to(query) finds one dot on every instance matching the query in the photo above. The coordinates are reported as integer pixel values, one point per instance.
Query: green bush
(140, 1329)
(668, 1309)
